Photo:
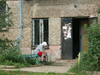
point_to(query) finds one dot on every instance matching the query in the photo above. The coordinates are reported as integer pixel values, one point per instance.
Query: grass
(31, 73)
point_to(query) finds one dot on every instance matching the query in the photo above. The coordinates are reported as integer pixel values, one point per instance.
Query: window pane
(2, 15)
(37, 32)
(46, 30)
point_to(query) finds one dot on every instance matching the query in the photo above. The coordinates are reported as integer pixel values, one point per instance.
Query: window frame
(41, 29)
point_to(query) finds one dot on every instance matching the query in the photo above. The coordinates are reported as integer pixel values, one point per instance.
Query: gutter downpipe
(20, 23)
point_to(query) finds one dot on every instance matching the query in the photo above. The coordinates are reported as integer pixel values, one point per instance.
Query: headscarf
(44, 43)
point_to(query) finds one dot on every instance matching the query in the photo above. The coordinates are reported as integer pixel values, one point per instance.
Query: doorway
(72, 46)
(78, 32)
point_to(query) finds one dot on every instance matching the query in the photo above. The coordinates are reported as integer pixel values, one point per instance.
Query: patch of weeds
(65, 74)
(9, 63)
(30, 60)
(50, 63)
(51, 73)
(22, 65)
(18, 65)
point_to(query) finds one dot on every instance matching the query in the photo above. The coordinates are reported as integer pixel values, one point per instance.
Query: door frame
(72, 30)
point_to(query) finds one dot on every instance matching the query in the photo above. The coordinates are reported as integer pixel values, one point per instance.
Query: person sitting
(40, 49)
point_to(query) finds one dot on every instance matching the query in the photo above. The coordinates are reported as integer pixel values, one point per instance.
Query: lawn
(28, 73)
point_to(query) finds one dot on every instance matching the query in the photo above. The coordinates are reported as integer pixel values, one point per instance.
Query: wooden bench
(33, 56)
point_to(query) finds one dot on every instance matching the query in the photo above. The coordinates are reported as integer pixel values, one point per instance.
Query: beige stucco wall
(54, 31)
(55, 9)
(14, 31)
(52, 9)
(64, 8)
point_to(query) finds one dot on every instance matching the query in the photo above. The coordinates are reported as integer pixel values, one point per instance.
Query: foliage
(18, 65)
(8, 62)
(30, 61)
(90, 59)
(5, 16)
(9, 54)
(31, 73)
(4, 44)
(98, 9)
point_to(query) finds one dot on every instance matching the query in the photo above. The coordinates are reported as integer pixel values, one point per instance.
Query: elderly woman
(41, 48)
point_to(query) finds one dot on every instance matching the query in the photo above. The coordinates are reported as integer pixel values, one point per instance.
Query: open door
(66, 35)
(83, 40)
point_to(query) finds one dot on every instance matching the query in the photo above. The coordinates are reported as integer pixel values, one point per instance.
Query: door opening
(78, 32)
(76, 41)
(71, 47)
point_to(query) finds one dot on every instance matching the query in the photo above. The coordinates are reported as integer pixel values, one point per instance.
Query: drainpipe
(20, 23)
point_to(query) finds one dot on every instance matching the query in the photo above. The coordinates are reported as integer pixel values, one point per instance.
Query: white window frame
(41, 31)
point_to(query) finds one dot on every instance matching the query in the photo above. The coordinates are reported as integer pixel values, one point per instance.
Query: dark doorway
(78, 32)
(72, 46)
(76, 41)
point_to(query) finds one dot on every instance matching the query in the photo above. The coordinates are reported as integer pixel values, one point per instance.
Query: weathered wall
(54, 31)
(52, 9)
(64, 8)
(14, 32)
(55, 9)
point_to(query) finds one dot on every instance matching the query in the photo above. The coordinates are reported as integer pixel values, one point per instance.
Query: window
(40, 31)
(3, 16)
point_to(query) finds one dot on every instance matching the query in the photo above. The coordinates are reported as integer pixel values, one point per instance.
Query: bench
(31, 56)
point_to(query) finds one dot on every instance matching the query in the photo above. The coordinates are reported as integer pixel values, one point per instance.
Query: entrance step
(66, 63)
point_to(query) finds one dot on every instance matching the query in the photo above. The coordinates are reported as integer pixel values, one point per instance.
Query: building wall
(65, 8)
(52, 9)
(55, 9)
(14, 31)
(54, 31)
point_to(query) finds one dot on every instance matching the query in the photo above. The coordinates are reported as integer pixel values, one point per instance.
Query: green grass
(30, 73)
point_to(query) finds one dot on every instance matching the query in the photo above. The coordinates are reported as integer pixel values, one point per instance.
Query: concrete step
(66, 63)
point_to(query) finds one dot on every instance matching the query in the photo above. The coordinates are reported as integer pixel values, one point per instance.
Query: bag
(39, 53)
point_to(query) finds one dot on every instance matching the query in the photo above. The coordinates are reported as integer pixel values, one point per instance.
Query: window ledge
(33, 47)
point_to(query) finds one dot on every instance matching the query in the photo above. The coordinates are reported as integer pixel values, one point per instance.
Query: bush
(30, 61)
(8, 53)
(9, 62)
(17, 65)
(14, 54)
(2, 59)
(90, 59)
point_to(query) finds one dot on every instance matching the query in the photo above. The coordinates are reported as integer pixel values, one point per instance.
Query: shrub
(30, 61)
(9, 62)
(13, 54)
(17, 65)
(90, 59)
